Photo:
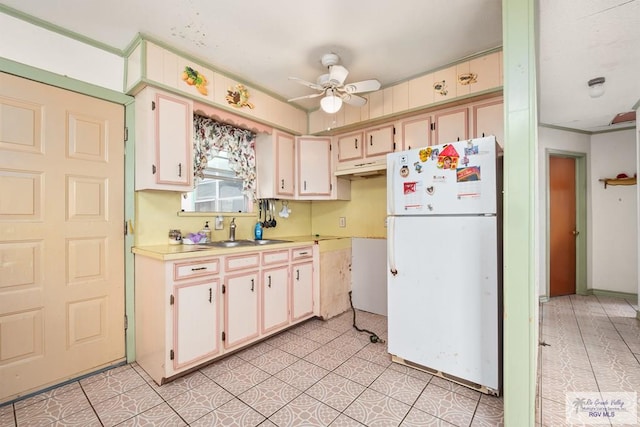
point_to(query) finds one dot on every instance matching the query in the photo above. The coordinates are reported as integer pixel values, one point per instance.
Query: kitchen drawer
(190, 269)
(239, 262)
(275, 257)
(301, 253)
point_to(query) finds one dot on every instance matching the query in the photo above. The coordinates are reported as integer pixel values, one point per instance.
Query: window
(220, 190)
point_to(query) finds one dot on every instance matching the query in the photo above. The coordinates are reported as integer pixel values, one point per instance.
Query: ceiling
(265, 42)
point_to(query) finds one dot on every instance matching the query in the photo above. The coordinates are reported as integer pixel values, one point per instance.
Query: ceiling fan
(332, 86)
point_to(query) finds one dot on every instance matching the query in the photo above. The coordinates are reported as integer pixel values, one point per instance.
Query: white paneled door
(61, 235)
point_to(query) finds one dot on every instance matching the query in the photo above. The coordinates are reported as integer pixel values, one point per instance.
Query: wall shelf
(618, 181)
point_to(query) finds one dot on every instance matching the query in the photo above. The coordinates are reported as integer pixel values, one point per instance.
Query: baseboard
(633, 298)
(543, 299)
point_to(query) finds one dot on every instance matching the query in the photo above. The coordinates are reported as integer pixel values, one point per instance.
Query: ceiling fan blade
(306, 83)
(338, 74)
(313, 95)
(355, 100)
(363, 86)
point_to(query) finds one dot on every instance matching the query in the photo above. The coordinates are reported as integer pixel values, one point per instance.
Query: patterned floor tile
(417, 418)
(269, 396)
(299, 346)
(302, 374)
(6, 416)
(456, 388)
(447, 405)
(360, 371)
(109, 386)
(127, 405)
(274, 361)
(345, 421)
(552, 414)
(46, 394)
(336, 391)
(488, 416)
(376, 353)
(241, 379)
(84, 418)
(255, 351)
(329, 357)
(375, 409)
(412, 372)
(304, 411)
(223, 366)
(400, 386)
(181, 385)
(158, 416)
(54, 408)
(199, 401)
(232, 413)
(321, 335)
(487, 399)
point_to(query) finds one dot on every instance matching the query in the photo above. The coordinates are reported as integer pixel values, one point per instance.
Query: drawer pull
(198, 268)
(304, 253)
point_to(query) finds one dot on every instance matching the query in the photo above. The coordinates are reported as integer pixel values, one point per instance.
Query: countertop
(176, 252)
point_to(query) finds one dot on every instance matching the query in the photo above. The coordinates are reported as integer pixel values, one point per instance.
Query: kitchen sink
(236, 243)
(270, 241)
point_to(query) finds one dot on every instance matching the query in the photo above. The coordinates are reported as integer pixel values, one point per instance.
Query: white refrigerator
(444, 261)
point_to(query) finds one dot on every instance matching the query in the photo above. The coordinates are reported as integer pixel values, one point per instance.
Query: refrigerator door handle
(391, 185)
(390, 247)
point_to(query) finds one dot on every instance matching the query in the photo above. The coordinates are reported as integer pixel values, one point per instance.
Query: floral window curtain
(210, 137)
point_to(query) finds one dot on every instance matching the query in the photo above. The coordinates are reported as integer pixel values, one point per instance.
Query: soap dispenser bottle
(206, 232)
(257, 231)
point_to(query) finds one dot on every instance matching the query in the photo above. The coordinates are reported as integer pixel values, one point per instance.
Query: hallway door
(61, 235)
(562, 235)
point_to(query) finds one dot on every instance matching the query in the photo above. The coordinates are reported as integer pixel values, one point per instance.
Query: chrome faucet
(232, 230)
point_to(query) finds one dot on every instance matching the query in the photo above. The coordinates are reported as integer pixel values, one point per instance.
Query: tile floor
(593, 346)
(326, 373)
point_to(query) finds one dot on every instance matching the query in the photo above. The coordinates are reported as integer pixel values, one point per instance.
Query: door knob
(575, 232)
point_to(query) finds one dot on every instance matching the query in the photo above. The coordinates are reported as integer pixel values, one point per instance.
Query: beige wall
(365, 213)
(157, 213)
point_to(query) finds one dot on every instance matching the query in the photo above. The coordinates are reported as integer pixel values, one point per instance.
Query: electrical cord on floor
(373, 337)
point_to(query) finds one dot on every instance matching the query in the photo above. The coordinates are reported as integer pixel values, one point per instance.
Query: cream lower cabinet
(191, 311)
(274, 290)
(177, 311)
(302, 291)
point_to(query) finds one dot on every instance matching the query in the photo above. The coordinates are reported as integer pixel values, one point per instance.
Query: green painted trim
(521, 299)
(632, 298)
(129, 239)
(613, 130)
(636, 105)
(134, 44)
(543, 299)
(59, 30)
(581, 218)
(63, 82)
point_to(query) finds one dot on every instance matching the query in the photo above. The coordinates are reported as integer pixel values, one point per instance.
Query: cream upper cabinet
(416, 131)
(488, 119)
(314, 166)
(275, 165)
(444, 84)
(379, 140)
(350, 146)
(451, 125)
(164, 142)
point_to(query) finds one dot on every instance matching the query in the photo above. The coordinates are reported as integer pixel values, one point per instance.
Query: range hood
(363, 170)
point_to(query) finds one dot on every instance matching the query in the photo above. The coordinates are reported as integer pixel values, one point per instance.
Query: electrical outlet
(343, 222)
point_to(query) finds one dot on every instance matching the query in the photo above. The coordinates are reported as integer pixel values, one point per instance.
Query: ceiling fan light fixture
(596, 87)
(331, 103)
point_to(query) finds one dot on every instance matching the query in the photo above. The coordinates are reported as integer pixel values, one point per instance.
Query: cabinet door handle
(298, 274)
(371, 140)
(305, 185)
(282, 184)
(180, 170)
(356, 140)
(252, 285)
(269, 281)
(153, 169)
(210, 295)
